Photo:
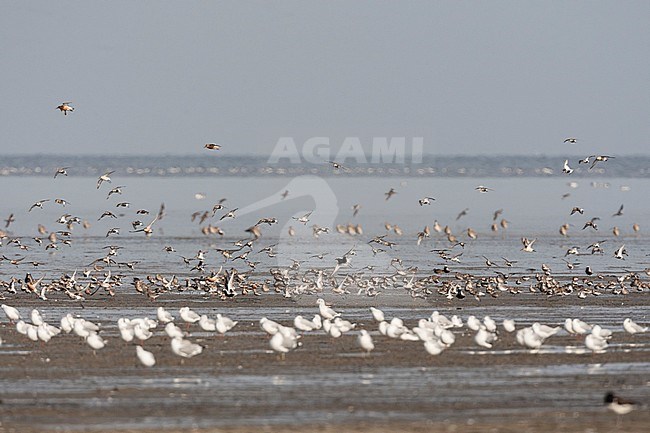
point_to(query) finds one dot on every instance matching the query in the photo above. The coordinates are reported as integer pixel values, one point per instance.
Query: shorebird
(62, 171)
(336, 165)
(577, 209)
(38, 204)
(620, 252)
(390, 193)
(65, 107)
(462, 214)
(116, 190)
(148, 230)
(591, 223)
(355, 209)
(496, 214)
(482, 188)
(145, 357)
(303, 219)
(619, 212)
(229, 214)
(633, 328)
(185, 348)
(104, 178)
(566, 169)
(571, 140)
(426, 200)
(212, 146)
(619, 405)
(9, 220)
(325, 311)
(599, 158)
(365, 341)
(528, 245)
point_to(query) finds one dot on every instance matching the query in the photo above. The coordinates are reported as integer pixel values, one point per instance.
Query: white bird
(365, 341)
(529, 338)
(544, 331)
(632, 327)
(284, 340)
(207, 324)
(306, 325)
(173, 331)
(95, 341)
(490, 324)
(473, 323)
(67, 323)
(185, 348)
(528, 245)
(12, 313)
(224, 324)
(580, 327)
(566, 169)
(325, 311)
(377, 314)
(269, 326)
(434, 347)
(595, 343)
(484, 338)
(509, 325)
(163, 315)
(602, 333)
(188, 315)
(146, 358)
(125, 328)
(36, 317)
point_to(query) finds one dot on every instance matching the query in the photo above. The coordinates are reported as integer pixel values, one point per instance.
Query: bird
(426, 200)
(9, 220)
(106, 177)
(571, 140)
(577, 209)
(599, 158)
(365, 341)
(303, 219)
(145, 357)
(633, 328)
(65, 107)
(355, 209)
(391, 192)
(212, 146)
(620, 252)
(482, 188)
(38, 204)
(619, 405)
(619, 212)
(61, 171)
(462, 214)
(185, 348)
(325, 311)
(377, 314)
(335, 165)
(12, 313)
(528, 245)
(224, 324)
(566, 169)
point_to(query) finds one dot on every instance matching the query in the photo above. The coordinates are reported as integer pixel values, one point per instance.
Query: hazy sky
(166, 77)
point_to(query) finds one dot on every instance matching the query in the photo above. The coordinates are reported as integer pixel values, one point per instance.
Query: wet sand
(238, 384)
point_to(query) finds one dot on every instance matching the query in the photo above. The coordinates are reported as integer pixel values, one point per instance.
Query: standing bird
(65, 107)
(146, 358)
(619, 405)
(365, 342)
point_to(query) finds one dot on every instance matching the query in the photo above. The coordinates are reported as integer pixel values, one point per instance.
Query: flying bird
(65, 107)
(212, 146)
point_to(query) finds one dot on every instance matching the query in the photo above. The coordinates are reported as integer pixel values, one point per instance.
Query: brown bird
(65, 107)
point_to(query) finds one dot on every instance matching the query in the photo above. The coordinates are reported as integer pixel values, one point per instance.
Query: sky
(469, 77)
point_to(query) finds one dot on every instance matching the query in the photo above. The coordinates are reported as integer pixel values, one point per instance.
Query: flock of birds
(436, 333)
